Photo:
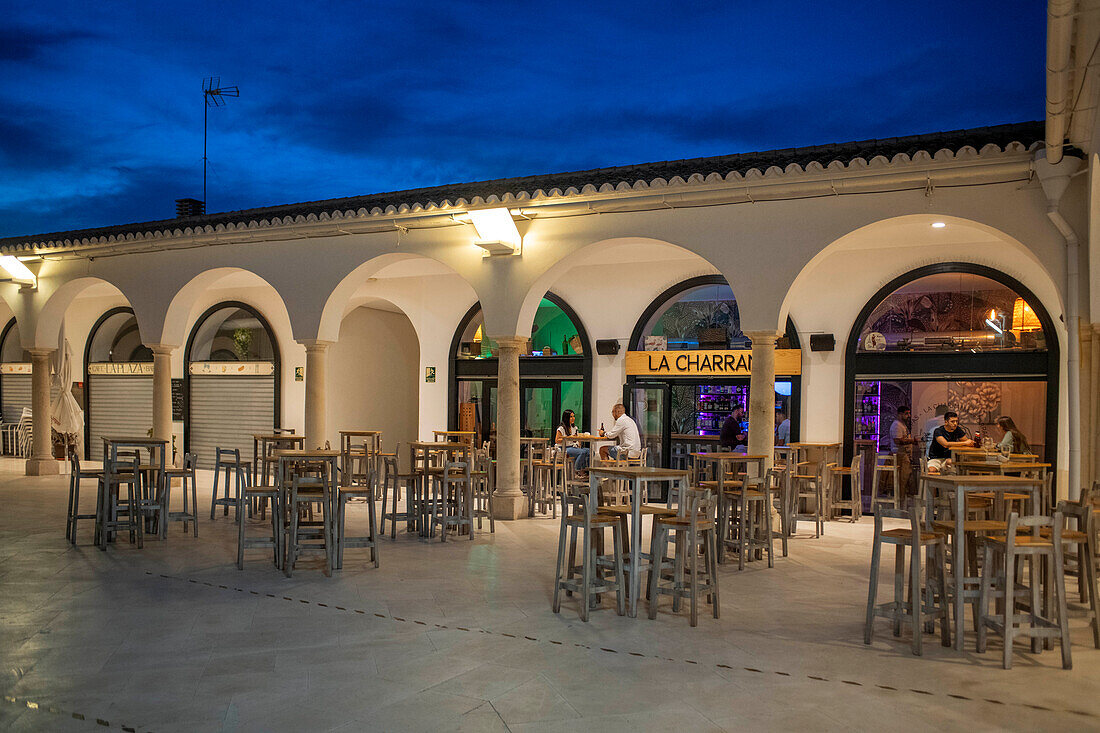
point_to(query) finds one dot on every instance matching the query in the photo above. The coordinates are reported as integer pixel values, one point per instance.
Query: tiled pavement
(459, 636)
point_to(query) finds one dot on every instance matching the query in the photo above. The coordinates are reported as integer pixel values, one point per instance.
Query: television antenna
(214, 95)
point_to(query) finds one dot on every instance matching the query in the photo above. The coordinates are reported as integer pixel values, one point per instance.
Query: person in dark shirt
(732, 435)
(944, 438)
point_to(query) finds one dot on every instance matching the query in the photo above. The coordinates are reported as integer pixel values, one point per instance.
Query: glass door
(539, 413)
(648, 405)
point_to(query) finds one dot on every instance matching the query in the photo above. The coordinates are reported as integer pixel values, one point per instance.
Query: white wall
(372, 377)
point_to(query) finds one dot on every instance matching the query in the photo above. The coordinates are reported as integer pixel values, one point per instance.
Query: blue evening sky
(101, 103)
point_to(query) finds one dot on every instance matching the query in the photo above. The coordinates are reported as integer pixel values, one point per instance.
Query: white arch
(50, 317)
(186, 305)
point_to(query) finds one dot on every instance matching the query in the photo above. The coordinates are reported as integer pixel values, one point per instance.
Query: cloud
(23, 43)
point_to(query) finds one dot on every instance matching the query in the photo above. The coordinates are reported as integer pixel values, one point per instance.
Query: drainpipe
(1054, 178)
(1059, 35)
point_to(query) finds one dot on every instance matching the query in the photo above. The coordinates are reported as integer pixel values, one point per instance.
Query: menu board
(177, 400)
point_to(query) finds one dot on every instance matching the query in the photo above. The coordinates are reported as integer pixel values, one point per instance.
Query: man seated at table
(944, 438)
(626, 431)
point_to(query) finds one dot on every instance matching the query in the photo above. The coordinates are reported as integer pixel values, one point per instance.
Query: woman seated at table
(572, 448)
(1013, 439)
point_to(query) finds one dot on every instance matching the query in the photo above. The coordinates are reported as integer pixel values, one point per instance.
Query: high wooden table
(455, 436)
(639, 477)
(718, 463)
(420, 464)
(277, 441)
(372, 446)
(155, 486)
(286, 459)
(592, 440)
(960, 486)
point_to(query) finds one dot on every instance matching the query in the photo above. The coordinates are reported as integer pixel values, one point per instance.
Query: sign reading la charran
(728, 363)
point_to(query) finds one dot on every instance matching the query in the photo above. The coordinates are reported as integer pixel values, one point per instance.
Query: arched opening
(233, 367)
(555, 372)
(118, 381)
(682, 400)
(952, 336)
(15, 377)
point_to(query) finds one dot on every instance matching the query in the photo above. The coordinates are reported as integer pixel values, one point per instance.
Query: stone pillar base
(509, 507)
(43, 467)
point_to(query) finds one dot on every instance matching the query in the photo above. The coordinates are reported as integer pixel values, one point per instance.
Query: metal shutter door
(15, 394)
(226, 412)
(119, 406)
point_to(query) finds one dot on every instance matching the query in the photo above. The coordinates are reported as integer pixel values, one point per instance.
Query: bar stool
(836, 488)
(109, 506)
(309, 535)
(370, 540)
(482, 476)
(1083, 564)
(262, 494)
(393, 478)
(999, 580)
(680, 576)
(931, 599)
(545, 464)
(809, 486)
(76, 475)
(886, 465)
(780, 484)
(452, 498)
(229, 460)
(578, 516)
(186, 474)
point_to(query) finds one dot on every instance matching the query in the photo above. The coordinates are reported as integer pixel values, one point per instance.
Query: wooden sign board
(728, 363)
(231, 368)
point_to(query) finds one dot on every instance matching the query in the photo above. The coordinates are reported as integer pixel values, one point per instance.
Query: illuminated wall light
(938, 225)
(496, 231)
(1023, 317)
(19, 272)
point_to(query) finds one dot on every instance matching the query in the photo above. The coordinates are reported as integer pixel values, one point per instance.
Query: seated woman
(572, 448)
(1013, 439)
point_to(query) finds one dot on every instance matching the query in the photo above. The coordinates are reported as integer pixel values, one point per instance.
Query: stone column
(762, 402)
(41, 462)
(316, 411)
(162, 393)
(508, 499)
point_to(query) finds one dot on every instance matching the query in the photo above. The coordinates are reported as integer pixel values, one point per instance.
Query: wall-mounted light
(19, 272)
(938, 225)
(997, 324)
(496, 231)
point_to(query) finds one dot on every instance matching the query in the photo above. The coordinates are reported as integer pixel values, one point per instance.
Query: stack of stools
(393, 479)
(344, 494)
(452, 498)
(76, 475)
(999, 580)
(596, 573)
(186, 475)
(695, 539)
(930, 599)
(228, 460)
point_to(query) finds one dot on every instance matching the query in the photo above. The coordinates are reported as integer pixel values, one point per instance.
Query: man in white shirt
(626, 431)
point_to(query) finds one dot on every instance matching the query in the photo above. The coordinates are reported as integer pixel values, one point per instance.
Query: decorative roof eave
(751, 185)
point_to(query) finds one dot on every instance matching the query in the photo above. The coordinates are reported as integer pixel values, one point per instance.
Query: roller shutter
(15, 394)
(119, 406)
(226, 411)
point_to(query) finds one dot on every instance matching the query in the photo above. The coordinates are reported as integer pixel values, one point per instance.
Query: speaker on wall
(607, 347)
(822, 342)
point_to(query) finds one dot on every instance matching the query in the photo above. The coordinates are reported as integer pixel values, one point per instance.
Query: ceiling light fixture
(19, 272)
(496, 232)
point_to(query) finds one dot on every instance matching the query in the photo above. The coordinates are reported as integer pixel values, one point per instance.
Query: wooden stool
(76, 475)
(483, 478)
(695, 534)
(886, 466)
(577, 515)
(780, 485)
(999, 581)
(309, 535)
(229, 460)
(344, 494)
(109, 507)
(854, 504)
(263, 494)
(809, 486)
(393, 478)
(930, 599)
(452, 499)
(186, 474)
(746, 520)
(1083, 564)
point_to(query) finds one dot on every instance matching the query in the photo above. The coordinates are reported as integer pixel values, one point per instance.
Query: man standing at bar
(901, 446)
(732, 434)
(624, 429)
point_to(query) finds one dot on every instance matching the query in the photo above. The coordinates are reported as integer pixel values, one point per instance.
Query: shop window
(116, 339)
(952, 312)
(232, 334)
(553, 333)
(11, 349)
(702, 316)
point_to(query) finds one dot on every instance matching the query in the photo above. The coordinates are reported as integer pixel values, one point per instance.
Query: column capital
(41, 353)
(763, 336)
(315, 344)
(162, 349)
(510, 342)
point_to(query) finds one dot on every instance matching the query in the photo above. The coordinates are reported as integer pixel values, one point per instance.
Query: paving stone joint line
(750, 670)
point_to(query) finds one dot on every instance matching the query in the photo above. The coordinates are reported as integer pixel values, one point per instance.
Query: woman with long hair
(1013, 439)
(573, 449)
